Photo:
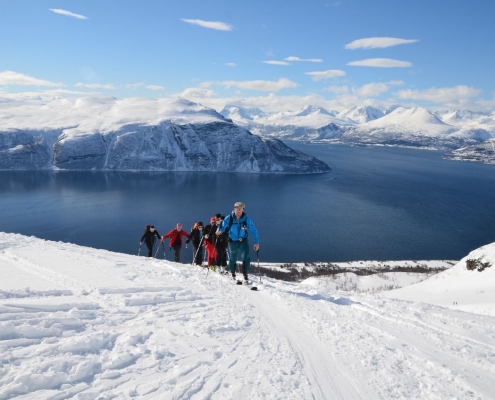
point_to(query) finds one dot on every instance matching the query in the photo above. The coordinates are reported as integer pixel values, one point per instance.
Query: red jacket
(175, 236)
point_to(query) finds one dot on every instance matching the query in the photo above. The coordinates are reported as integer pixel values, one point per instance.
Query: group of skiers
(224, 237)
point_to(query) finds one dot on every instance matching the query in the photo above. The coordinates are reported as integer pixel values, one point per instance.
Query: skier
(209, 243)
(238, 224)
(149, 238)
(196, 236)
(221, 243)
(175, 236)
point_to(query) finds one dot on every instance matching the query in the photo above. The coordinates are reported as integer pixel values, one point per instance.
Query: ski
(248, 284)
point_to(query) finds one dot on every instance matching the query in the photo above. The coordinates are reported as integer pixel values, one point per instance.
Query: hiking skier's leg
(246, 258)
(149, 245)
(177, 253)
(233, 248)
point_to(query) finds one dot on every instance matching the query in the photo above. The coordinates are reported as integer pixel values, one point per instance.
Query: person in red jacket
(175, 236)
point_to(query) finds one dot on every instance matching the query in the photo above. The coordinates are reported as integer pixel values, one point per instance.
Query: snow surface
(82, 323)
(471, 291)
(415, 119)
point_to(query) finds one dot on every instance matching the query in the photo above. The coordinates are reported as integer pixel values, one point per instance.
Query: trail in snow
(84, 323)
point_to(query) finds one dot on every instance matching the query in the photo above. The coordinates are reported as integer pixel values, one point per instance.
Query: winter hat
(219, 216)
(200, 223)
(212, 219)
(179, 225)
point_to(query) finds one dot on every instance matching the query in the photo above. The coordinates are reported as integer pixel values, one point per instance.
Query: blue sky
(273, 54)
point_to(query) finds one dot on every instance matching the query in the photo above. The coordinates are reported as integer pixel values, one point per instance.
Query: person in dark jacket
(149, 238)
(196, 236)
(221, 242)
(209, 233)
(175, 236)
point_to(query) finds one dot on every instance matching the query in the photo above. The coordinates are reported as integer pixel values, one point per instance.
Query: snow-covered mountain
(286, 124)
(241, 115)
(138, 134)
(82, 323)
(396, 126)
(361, 114)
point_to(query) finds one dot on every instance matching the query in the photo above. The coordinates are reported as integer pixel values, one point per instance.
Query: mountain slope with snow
(361, 114)
(83, 323)
(138, 134)
(411, 127)
(458, 287)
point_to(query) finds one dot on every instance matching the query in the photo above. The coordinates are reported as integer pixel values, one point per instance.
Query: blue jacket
(240, 227)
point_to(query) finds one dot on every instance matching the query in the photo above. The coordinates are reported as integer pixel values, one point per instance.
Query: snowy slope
(307, 117)
(458, 287)
(82, 323)
(361, 114)
(418, 120)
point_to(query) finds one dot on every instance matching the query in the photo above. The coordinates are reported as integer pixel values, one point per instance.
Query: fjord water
(376, 204)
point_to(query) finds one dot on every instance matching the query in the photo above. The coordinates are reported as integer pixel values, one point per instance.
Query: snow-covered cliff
(138, 134)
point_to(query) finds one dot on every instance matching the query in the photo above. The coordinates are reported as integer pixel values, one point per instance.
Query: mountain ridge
(139, 134)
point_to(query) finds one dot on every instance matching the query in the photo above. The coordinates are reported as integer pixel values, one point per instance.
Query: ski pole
(199, 246)
(258, 258)
(164, 254)
(139, 251)
(158, 249)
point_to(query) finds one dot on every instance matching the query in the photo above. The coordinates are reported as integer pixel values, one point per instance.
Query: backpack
(231, 221)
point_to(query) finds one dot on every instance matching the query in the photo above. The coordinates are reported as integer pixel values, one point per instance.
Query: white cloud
(155, 87)
(381, 63)
(134, 85)
(368, 90)
(371, 89)
(274, 62)
(331, 73)
(378, 42)
(95, 85)
(440, 95)
(295, 59)
(231, 64)
(40, 97)
(265, 86)
(196, 94)
(67, 13)
(337, 89)
(15, 78)
(219, 26)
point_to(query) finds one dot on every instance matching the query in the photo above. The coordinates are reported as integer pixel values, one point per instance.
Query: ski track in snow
(100, 325)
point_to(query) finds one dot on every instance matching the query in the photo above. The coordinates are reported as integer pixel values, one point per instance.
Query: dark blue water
(377, 203)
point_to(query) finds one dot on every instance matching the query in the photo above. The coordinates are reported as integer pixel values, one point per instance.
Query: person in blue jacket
(238, 224)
